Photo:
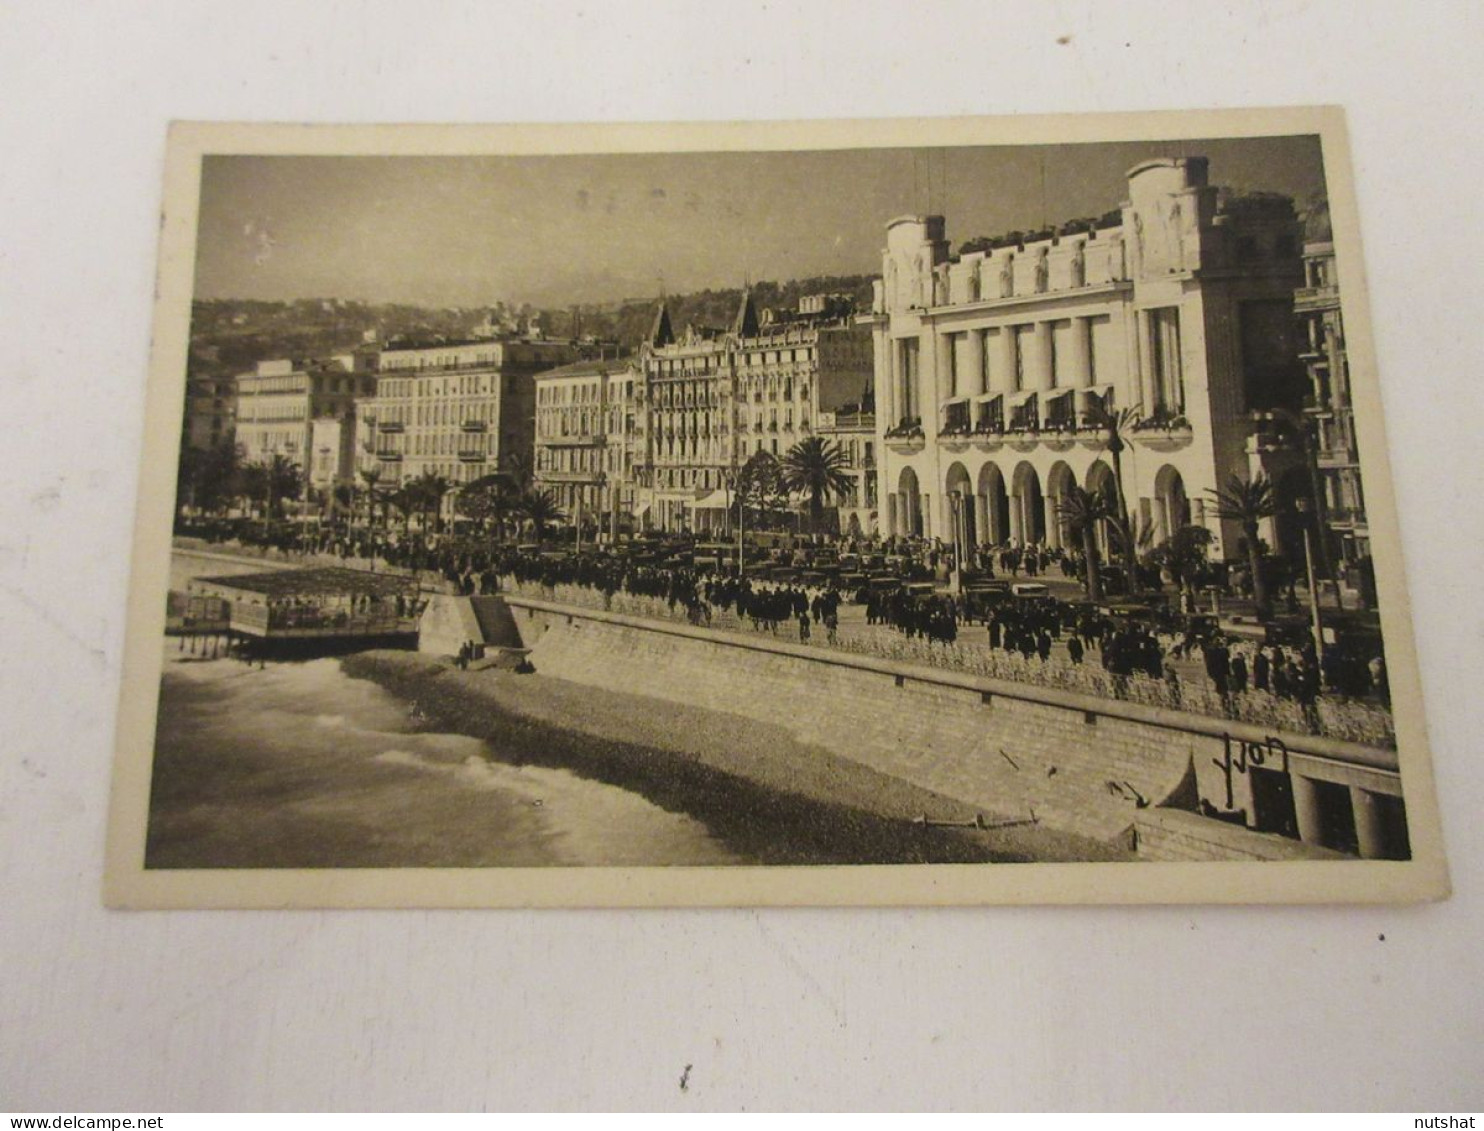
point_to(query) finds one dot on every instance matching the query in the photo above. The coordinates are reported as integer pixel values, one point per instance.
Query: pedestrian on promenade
(1260, 671)
(1074, 649)
(1172, 681)
(1379, 680)
(804, 628)
(1238, 674)
(831, 625)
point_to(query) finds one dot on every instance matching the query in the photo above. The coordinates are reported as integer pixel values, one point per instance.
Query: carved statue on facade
(1007, 277)
(975, 279)
(940, 284)
(1043, 271)
(1079, 264)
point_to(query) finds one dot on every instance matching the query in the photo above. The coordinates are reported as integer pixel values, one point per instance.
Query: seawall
(1120, 773)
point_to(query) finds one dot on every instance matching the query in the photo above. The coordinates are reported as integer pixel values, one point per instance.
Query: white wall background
(1162, 1008)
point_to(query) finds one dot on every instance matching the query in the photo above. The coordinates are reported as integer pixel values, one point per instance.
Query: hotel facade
(714, 398)
(1330, 407)
(996, 369)
(454, 409)
(587, 439)
(293, 411)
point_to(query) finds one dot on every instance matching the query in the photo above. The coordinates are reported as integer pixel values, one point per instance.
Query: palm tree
(1118, 425)
(1081, 510)
(541, 509)
(407, 500)
(1248, 502)
(815, 467)
(1183, 554)
(371, 476)
(285, 481)
(430, 489)
(518, 468)
(486, 500)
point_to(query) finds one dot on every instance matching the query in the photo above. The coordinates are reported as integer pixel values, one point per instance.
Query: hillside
(231, 335)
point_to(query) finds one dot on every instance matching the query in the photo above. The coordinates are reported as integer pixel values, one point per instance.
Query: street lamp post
(1300, 425)
(1316, 625)
(960, 536)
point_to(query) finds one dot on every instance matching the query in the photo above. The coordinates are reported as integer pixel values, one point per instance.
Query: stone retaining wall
(1076, 763)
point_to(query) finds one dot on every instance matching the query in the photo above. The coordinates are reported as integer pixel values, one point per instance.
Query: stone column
(981, 518)
(1002, 371)
(971, 384)
(950, 528)
(1017, 519)
(1079, 364)
(943, 379)
(1306, 809)
(1370, 824)
(925, 515)
(1053, 521)
(891, 515)
(1042, 376)
(885, 377)
(1148, 394)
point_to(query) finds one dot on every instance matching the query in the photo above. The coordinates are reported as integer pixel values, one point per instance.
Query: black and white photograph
(971, 510)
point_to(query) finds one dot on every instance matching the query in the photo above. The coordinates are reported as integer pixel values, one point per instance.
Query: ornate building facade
(713, 398)
(279, 405)
(1329, 408)
(997, 369)
(454, 409)
(587, 440)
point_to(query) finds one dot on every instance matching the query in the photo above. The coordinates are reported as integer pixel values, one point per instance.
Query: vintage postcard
(844, 513)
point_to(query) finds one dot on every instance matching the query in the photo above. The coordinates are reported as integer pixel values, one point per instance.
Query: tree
(517, 467)
(285, 480)
(541, 510)
(1183, 555)
(371, 477)
(487, 500)
(407, 501)
(208, 478)
(759, 483)
(1118, 425)
(251, 483)
(815, 467)
(1081, 510)
(429, 489)
(1248, 502)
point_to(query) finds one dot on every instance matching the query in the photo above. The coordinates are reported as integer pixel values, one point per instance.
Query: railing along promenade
(1336, 717)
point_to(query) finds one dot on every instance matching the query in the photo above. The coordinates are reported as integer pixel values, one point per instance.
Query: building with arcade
(997, 369)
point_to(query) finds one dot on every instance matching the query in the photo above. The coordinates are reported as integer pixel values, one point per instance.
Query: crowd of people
(1041, 631)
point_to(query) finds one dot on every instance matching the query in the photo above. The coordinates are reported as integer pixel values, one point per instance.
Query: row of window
(591, 392)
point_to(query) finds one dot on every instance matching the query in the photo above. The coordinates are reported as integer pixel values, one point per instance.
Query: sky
(556, 230)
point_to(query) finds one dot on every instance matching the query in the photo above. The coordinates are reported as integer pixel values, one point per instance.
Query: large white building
(714, 398)
(454, 409)
(995, 368)
(587, 438)
(279, 405)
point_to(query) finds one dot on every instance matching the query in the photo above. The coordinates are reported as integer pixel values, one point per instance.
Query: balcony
(907, 437)
(474, 426)
(1345, 518)
(1164, 432)
(1331, 458)
(473, 456)
(574, 440)
(390, 426)
(581, 477)
(1316, 298)
(389, 457)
